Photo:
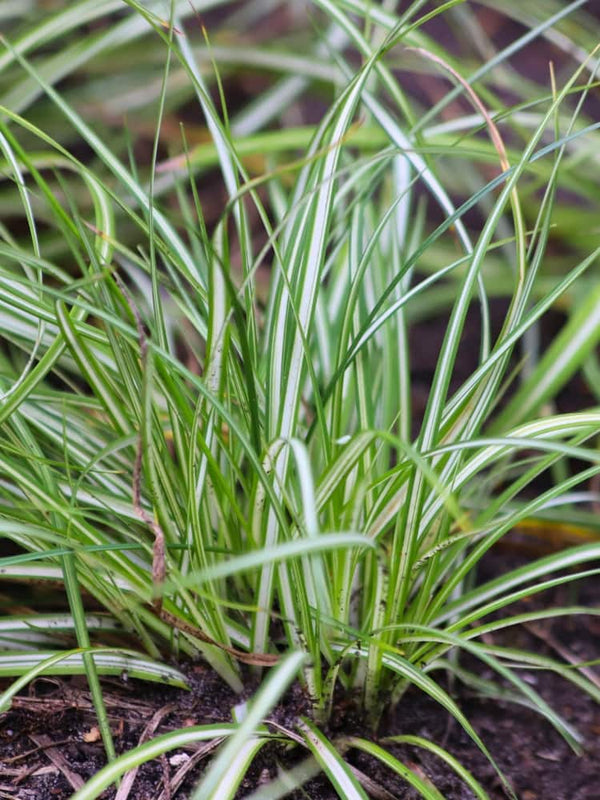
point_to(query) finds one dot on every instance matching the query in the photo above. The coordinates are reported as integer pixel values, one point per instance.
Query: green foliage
(207, 385)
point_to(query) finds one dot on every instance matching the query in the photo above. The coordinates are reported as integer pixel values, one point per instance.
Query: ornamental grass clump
(208, 403)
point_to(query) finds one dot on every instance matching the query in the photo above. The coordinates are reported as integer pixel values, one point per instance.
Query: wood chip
(56, 757)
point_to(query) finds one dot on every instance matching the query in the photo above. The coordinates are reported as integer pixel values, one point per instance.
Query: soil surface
(49, 742)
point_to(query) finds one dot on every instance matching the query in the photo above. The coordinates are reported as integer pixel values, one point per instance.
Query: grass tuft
(214, 425)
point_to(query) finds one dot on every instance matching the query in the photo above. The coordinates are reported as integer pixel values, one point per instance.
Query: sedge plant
(208, 405)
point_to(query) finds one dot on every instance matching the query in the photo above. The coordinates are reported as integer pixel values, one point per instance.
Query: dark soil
(49, 743)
